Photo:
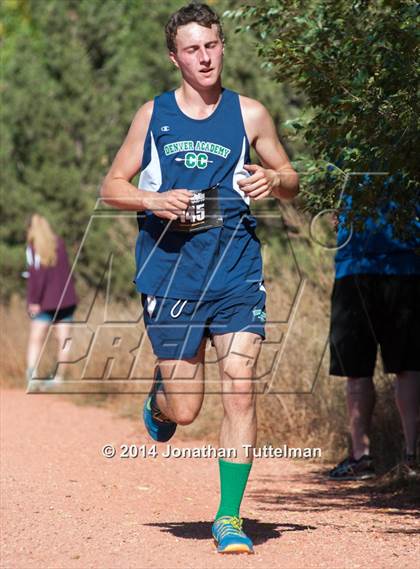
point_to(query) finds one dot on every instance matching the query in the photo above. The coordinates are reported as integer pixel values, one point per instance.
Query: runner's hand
(170, 204)
(261, 182)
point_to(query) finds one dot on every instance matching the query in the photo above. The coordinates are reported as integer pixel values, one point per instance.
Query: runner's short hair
(199, 13)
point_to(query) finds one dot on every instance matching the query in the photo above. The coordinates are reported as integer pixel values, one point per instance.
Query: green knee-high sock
(233, 479)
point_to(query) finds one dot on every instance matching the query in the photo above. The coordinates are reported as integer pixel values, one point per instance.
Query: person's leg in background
(37, 332)
(407, 397)
(62, 334)
(360, 405)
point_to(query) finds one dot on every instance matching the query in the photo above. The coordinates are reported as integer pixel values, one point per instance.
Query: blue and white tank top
(185, 153)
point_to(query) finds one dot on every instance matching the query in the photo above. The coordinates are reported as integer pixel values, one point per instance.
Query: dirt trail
(65, 505)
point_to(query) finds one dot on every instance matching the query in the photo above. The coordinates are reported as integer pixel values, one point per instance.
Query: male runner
(198, 259)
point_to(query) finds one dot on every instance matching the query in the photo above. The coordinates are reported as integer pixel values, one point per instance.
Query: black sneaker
(352, 469)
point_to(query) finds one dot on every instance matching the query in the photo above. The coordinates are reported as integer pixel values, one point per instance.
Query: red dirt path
(65, 505)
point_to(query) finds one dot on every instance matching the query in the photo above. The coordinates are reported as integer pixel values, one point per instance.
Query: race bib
(202, 213)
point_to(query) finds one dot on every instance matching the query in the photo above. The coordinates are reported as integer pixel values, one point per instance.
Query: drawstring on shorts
(180, 309)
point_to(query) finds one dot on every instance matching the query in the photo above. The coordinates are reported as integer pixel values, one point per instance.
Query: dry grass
(299, 403)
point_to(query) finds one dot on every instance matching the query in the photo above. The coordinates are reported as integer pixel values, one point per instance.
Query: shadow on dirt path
(261, 531)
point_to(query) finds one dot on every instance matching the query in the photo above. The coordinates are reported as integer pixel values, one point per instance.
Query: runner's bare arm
(117, 189)
(276, 176)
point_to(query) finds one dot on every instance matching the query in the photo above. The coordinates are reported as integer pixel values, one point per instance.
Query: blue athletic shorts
(176, 327)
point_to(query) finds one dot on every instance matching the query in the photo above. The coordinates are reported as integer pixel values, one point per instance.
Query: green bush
(357, 63)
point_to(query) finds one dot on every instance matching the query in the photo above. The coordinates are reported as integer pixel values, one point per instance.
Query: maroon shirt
(45, 285)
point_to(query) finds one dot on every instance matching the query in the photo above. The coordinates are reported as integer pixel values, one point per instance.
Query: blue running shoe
(159, 427)
(229, 537)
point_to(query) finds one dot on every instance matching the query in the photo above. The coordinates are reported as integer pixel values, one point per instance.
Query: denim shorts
(176, 327)
(63, 315)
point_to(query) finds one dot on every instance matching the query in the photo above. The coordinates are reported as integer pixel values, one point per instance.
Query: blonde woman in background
(50, 298)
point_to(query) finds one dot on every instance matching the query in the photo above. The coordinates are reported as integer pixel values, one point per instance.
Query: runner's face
(199, 54)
